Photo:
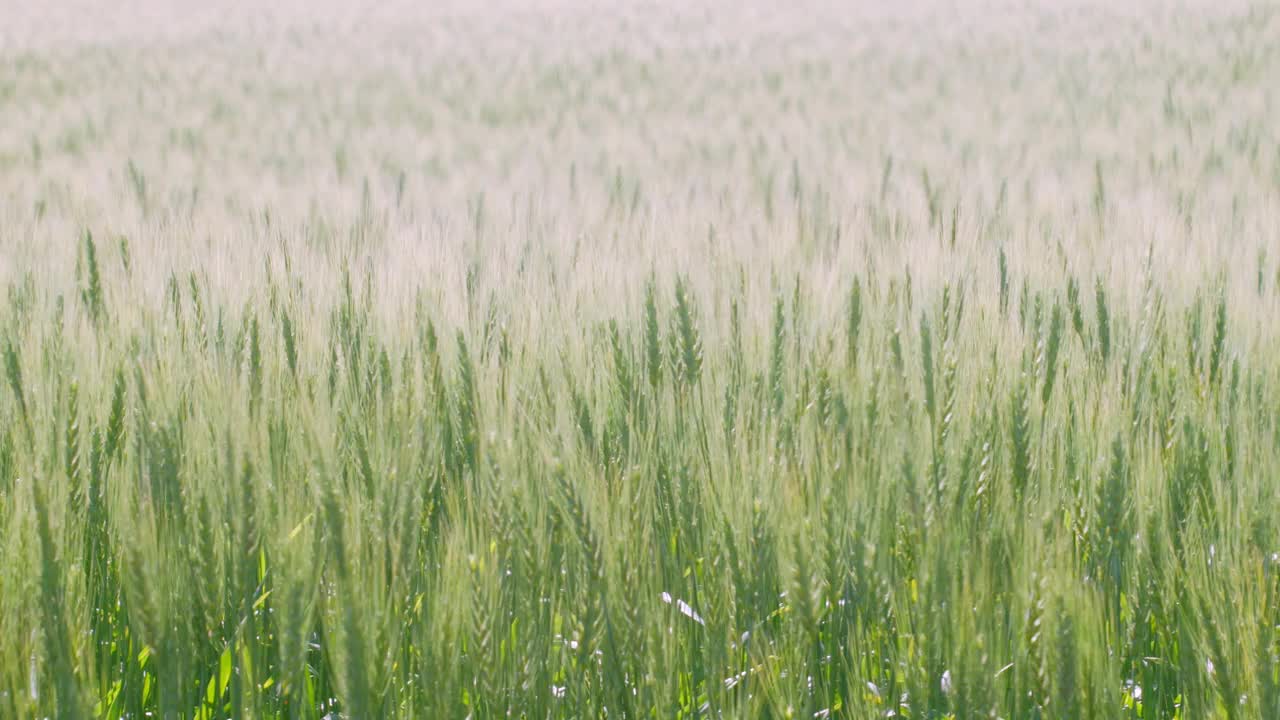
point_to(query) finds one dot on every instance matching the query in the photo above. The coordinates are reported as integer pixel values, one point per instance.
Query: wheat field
(660, 360)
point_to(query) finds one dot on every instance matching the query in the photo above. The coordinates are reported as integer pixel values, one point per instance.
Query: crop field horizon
(659, 360)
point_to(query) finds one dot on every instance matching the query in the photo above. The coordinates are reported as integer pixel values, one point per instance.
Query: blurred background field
(660, 360)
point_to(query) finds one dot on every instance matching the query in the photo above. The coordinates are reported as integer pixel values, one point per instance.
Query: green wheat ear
(652, 339)
(622, 376)
(13, 372)
(114, 437)
(896, 354)
(71, 443)
(1262, 277)
(1219, 338)
(1051, 353)
(468, 400)
(91, 294)
(777, 356)
(853, 328)
(1099, 192)
(926, 359)
(1002, 265)
(1104, 321)
(254, 364)
(1020, 438)
(689, 342)
(290, 342)
(1077, 311)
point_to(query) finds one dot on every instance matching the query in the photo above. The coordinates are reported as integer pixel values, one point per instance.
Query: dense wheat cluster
(667, 360)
